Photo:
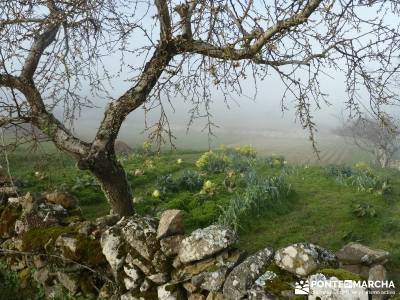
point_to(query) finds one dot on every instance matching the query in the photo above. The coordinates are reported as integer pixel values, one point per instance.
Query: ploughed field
(268, 200)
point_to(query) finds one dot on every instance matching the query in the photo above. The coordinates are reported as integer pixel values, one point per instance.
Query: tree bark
(114, 183)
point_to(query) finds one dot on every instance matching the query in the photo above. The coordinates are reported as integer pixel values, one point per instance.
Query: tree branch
(41, 42)
(228, 52)
(164, 18)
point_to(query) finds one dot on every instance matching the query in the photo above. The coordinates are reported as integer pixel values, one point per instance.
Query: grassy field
(320, 206)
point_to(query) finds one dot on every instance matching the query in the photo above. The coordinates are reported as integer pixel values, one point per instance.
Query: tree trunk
(114, 183)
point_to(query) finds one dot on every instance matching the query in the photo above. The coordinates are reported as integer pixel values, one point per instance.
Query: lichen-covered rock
(355, 253)
(64, 199)
(69, 281)
(106, 221)
(334, 291)
(215, 296)
(302, 259)
(197, 296)
(227, 259)
(167, 292)
(171, 222)
(67, 244)
(243, 276)
(143, 264)
(211, 281)
(140, 233)
(112, 246)
(260, 294)
(170, 245)
(159, 278)
(203, 243)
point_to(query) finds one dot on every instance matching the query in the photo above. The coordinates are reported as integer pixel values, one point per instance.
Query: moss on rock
(36, 239)
(340, 274)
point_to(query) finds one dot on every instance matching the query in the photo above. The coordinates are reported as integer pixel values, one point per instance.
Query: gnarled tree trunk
(114, 183)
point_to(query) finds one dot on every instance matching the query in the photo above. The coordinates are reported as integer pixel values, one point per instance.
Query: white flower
(179, 161)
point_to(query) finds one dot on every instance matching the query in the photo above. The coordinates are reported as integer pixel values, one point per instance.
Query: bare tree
(381, 139)
(50, 51)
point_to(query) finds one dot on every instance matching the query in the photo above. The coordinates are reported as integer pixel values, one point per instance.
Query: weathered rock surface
(171, 222)
(355, 253)
(334, 291)
(302, 259)
(64, 199)
(140, 233)
(112, 246)
(203, 243)
(170, 245)
(242, 277)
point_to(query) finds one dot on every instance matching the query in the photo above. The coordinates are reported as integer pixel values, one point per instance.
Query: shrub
(209, 188)
(364, 210)
(360, 176)
(338, 170)
(165, 184)
(275, 161)
(259, 194)
(246, 150)
(212, 162)
(240, 163)
(190, 180)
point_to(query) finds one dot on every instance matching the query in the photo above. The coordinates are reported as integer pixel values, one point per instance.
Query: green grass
(319, 210)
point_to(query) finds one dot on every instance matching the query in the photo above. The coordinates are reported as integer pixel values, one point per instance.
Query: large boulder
(302, 259)
(203, 243)
(355, 253)
(171, 223)
(243, 276)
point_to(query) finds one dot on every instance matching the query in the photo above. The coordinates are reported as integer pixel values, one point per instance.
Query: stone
(42, 276)
(378, 273)
(227, 259)
(334, 291)
(144, 265)
(167, 292)
(129, 296)
(85, 227)
(67, 244)
(188, 286)
(302, 259)
(107, 221)
(203, 243)
(243, 276)
(159, 278)
(197, 296)
(357, 269)
(211, 281)
(68, 281)
(215, 296)
(171, 223)
(8, 191)
(355, 253)
(145, 286)
(160, 262)
(140, 233)
(260, 294)
(39, 261)
(112, 246)
(64, 199)
(171, 245)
